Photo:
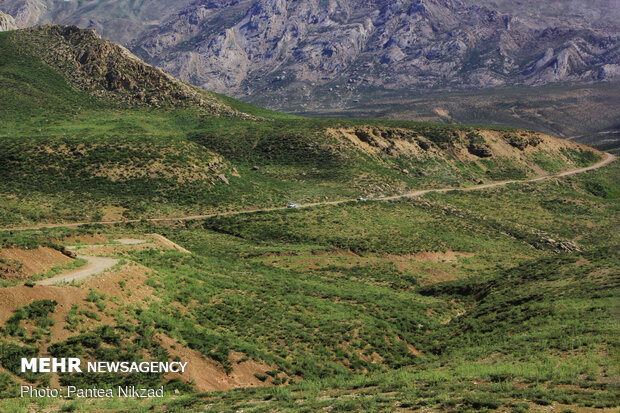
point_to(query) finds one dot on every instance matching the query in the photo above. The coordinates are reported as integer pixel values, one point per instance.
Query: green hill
(88, 127)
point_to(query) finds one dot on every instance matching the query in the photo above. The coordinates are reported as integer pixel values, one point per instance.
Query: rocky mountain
(319, 54)
(117, 20)
(7, 22)
(279, 48)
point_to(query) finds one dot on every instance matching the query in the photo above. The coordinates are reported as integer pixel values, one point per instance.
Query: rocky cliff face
(294, 54)
(279, 48)
(7, 22)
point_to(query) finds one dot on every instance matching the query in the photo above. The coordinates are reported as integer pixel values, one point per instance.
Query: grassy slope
(68, 155)
(536, 326)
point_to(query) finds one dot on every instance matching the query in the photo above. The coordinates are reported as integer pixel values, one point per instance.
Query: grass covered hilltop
(504, 298)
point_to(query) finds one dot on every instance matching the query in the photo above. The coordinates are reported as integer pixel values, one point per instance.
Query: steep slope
(89, 129)
(104, 69)
(255, 47)
(275, 45)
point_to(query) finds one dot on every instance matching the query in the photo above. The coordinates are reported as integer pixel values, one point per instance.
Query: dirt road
(607, 159)
(93, 266)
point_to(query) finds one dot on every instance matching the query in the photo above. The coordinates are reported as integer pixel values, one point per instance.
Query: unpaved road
(93, 266)
(607, 159)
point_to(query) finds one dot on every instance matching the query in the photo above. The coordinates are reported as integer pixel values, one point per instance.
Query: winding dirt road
(96, 265)
(93, 266)
(607, 159)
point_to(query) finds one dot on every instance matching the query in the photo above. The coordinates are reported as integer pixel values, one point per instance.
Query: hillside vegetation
(496, 299)
(454, 302)
(88, 127)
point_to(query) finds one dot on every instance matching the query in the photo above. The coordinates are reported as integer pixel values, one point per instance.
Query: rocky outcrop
(522, 141)
(7, 22)
(106, 69)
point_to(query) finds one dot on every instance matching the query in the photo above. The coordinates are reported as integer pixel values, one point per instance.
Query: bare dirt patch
(126, 284)
(21, 263)
(113, 213)
(208, 375)
(375, 141)
(439, 256)
(442, 112)
(14, 297)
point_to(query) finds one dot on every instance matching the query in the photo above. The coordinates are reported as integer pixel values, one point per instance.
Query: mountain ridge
(102, 68)
(436, 44)
(268, 48)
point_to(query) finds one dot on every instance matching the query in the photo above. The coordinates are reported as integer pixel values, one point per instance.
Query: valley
(296, 264)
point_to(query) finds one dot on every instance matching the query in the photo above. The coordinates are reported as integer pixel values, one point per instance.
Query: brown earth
(111, 213)
(127, 285)
(397, 142)
(21, 263)
(209, 375)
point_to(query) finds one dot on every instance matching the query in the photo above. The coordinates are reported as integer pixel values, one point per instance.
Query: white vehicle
(292, 205)
(359, 198)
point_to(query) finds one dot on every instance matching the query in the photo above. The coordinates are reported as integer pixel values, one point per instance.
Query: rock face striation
(7, 22)
(271, 51)
(276, 46)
